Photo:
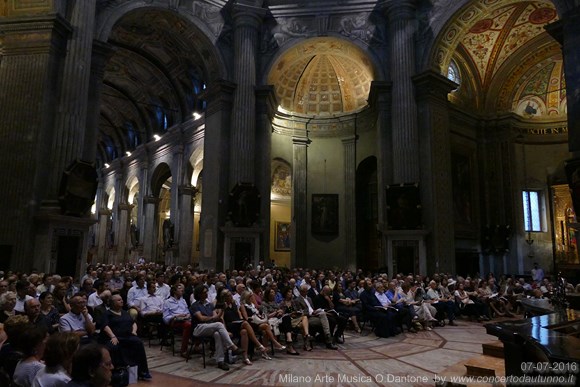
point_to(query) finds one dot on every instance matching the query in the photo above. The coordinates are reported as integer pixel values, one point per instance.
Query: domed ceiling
(508, 56)
(322, 77)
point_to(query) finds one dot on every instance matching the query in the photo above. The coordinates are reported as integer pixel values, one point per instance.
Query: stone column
(150, 233)
(380, 101)
(124, 216)
(33, 48)
(299, 227)
(103, 235)
(215, 164)
(436, 182)
(401, 14)
(266, 106)
(71, 118)
(185, 235)
(144, 191)
(349, 145)
(567, 32)
(101, 54)
(176, 183)
(247, 22)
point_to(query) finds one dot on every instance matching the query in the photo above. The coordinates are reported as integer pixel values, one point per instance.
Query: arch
(196, 163)
(160, 175)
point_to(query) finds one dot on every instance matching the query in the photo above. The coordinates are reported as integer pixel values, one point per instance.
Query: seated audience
(443, 305)
(48, 310)
(58, 353)
(382, 319)
(293, 318)
(120, 334)
(60, 299)
(7, 303)
(316, 317)
(151, 309)
(91, 367)
(336, 321)
(32, 311)
(31, 344)
(78, 320)
(207, 323)
(176, 314)
(22, 295)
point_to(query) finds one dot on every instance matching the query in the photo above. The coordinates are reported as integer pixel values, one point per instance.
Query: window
(532, 211)
(453, 73)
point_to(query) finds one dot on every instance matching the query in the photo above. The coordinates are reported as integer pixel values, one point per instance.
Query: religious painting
(463, 191)
(404, 207)
(282, 236)
(325, 214)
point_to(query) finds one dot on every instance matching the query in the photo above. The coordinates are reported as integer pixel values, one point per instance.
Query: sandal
(261, 348)
(247, 361)
(280, 348)
(266, 356)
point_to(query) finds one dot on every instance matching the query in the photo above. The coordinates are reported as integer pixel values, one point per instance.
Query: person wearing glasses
(78, 320)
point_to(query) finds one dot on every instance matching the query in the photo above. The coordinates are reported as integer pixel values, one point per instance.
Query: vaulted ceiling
(152, 81)
(506, 59)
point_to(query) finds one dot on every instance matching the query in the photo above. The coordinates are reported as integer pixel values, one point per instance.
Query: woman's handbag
(258, 320)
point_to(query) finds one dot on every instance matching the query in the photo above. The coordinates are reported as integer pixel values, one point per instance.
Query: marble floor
(405, 360)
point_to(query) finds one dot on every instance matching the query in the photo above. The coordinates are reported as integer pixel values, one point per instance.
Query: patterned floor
(406, 360)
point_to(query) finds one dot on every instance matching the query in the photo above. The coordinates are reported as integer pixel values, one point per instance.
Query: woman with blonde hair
(7, 304)
(58, 353)
(250, 312)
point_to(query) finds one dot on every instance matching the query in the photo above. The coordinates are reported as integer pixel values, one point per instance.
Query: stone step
(484, 366)
(494, 348)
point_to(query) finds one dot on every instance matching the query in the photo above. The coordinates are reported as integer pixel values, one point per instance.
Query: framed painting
(282, 236)
(325, 214)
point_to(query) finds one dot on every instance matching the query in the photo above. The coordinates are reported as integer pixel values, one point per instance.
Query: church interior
(412, 136)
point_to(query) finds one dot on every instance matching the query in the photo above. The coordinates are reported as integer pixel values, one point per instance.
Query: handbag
(120, 377)
(258, 320)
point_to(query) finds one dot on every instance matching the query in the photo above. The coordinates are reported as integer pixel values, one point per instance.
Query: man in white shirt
(22, 295)
(162, 289)
(537, 273)
(78, 320)
(94, 299)
(136, 292)
(151, 310)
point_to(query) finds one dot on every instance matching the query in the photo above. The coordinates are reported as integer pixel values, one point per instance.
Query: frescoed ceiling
(322, 77)
(503, 46)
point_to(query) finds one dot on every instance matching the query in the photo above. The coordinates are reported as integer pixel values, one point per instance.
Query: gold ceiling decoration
(322, 77)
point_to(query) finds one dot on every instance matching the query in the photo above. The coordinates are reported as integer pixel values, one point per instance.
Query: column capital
(300, 141)
(380, 92)
(187, 190)
(105, 212)
(401, 9)
(35, 34)
(219, 95)
(349, 139)
(431, 84)
(151, 200)
(125, 207)
(266, 101)
(248, 14)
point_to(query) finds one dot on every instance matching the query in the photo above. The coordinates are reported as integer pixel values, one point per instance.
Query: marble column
(185, 235)
(436, 182)
(247, 23)
(144, 191)
(120, 199)
(380, 102)
(299, 237)
(349, 145)
(71, 117)
(266, 107)
(33, 48)
(101, 54)
(216, 161)
(401, 15)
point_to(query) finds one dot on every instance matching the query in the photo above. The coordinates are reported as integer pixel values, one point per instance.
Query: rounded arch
(160, 175)
(196, 165)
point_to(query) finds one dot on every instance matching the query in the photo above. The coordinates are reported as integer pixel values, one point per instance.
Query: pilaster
(299, 241)
(215, 164)
(349, 147)
(436, 182)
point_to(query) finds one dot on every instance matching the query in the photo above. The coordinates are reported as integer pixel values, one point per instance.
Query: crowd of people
(55, 330)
